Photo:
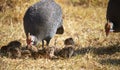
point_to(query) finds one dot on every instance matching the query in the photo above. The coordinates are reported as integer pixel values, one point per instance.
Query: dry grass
(84, 24)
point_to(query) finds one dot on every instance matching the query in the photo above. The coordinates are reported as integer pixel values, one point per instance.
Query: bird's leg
(42, 43)
(48, 41)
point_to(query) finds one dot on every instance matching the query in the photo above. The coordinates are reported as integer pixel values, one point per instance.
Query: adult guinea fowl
(42, 21)
(113, 17)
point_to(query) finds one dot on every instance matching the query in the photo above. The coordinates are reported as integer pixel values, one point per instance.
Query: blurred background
(15, 9)
(75, 12)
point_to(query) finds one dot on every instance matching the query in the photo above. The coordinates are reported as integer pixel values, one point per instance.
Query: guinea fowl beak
(108, 28)
(28, 40)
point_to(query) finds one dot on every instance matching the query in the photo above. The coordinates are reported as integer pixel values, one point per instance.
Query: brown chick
(46, 53)
(12, 49)
(66, 52)
(14, 53)
(4, 49)
(25, 53)
(50, 52)
(33, 49)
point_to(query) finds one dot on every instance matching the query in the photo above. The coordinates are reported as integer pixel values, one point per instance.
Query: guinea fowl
(42, 21)
(113, 17)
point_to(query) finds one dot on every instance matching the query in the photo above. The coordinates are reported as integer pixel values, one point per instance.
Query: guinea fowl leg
(42, 43)
(48, 41)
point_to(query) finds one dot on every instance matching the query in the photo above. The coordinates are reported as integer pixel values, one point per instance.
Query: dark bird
(42, 21)
(113, 17)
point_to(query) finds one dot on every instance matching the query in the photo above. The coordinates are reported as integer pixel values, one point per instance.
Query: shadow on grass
(109, 50)
(110, 61)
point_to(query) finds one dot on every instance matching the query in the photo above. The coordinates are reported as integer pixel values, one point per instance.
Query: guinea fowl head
(30, 40)
(108, 27)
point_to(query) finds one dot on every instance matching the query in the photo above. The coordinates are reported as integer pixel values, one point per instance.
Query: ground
(84, 24)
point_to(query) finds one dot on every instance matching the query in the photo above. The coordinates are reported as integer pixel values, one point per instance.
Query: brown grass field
(84, 23)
